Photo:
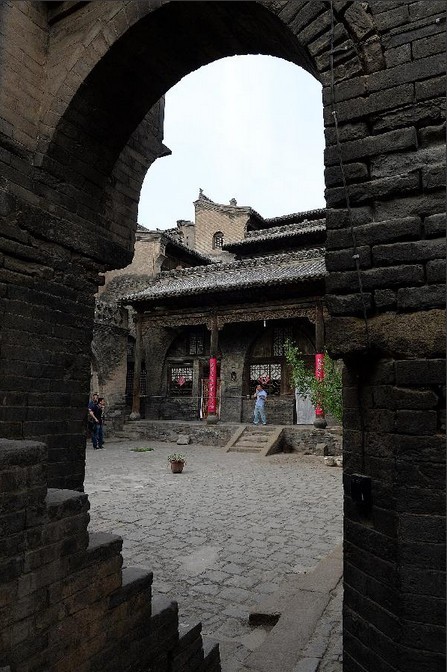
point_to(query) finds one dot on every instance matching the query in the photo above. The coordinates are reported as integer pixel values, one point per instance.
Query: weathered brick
(405, 163)
(354, 172)
(436, 271)
(385, 99)
(386, 396)
(424, 47)
(348, 304)
(420, 205)
(392, 276)
(433, 177)
(435, 225)
(398, 55)
(343, 260)
(405, 252)
(420, 9)
(421, 298)
(430, 88)
(420, 423)
(385, 299)
(380, 144)
(420, 372)
(425, 112)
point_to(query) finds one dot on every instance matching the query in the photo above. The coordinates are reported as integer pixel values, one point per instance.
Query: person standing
(259, 411)
(95, 420)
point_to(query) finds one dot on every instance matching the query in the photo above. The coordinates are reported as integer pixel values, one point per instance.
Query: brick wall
(69, 186)
(67, 602)
(211, 218)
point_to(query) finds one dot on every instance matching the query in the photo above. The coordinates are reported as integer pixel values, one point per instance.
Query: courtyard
(222, 536)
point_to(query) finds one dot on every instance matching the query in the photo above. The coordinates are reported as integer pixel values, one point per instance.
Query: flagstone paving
(221, 536)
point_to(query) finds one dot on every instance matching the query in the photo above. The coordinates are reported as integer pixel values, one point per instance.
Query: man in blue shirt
(259, 414)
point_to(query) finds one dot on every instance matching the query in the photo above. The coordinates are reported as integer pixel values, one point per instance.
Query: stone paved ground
(222, 535)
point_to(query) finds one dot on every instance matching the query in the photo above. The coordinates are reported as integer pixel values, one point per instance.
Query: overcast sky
(244, 127)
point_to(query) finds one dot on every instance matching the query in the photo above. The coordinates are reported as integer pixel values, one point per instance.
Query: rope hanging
(355, 255)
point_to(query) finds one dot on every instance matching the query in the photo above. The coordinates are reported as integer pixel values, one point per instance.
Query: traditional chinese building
(208, 334)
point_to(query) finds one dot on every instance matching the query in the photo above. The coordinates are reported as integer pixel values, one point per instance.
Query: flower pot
(177, 467)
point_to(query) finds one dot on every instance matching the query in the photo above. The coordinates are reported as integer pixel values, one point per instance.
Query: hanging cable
(355, 255)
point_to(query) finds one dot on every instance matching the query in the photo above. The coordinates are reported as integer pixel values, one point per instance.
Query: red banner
(319, 375)
(212, 387)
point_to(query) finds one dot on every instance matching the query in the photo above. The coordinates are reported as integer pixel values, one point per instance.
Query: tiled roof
(279, 232)
(236, 275)
(177, 243)
(319, 213)
(169, 236)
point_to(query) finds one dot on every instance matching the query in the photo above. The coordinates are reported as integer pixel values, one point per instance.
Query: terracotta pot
(177, 467)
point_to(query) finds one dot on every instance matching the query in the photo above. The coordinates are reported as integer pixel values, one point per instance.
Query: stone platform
(296, 438)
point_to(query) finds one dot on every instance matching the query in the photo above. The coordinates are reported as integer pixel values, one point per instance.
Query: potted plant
(177, 462)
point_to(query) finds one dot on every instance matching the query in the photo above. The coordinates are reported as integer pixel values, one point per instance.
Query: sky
(243, 127)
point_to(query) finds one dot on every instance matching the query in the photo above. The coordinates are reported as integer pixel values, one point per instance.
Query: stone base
(212, 420)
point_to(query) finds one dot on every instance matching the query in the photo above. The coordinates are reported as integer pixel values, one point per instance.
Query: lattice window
(218, 240)
(280, 336)
(180, 380)
(130, 348)
(269, 375)
(196, 343)
(129, 382)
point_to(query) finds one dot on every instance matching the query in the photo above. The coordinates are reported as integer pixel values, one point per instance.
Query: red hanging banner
(319, 375)
(212, 387)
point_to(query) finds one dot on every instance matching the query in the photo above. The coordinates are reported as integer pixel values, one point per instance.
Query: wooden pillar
(320, 420)
(135, 414)
(212, 418)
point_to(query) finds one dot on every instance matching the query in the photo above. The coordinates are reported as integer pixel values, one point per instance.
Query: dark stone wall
(77, 85)
(67, 601)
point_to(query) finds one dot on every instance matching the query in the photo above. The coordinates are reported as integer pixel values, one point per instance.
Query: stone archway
(72, 118)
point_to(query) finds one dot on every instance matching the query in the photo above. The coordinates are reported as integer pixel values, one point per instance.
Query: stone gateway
(81, 87)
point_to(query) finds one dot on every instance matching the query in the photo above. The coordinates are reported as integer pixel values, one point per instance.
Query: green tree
(327, 393)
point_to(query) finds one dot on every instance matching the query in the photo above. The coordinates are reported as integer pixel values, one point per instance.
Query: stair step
(135, 581)
(240, 449)
(252, 442)
(188, 654)
(212, 656)
(65, 503)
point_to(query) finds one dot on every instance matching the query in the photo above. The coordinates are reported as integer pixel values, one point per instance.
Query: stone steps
(262, 440)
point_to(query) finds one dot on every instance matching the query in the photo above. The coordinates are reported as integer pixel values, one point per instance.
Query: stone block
(349, 304)
(398, 55)
(435, 225)
(341, 218)
(424, 47)
(420, 372)
(405, 252)
(420, 10)
(392, 276)
(387, 396)
(385, 299)
(425, 112)
(343, 259)
(354, 172)
(432, 135)
(379, 101)
(421, 298)
(416, 422)
(407, 72)
(433, 177)
(430, 88)
(420, 205)
(183, 440)
(436, 271)
(405, 138)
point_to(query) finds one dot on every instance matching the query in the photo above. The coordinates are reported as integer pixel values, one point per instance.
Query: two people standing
(96, 420)
(259, 411)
